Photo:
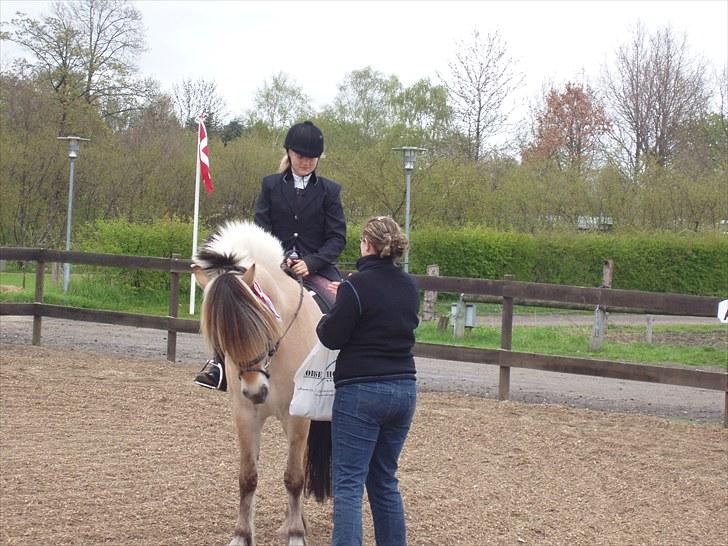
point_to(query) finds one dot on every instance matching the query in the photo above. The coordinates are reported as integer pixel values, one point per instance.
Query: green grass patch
(86, 292)
(687, 345)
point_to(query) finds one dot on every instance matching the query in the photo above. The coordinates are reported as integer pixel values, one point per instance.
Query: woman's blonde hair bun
(385, 235)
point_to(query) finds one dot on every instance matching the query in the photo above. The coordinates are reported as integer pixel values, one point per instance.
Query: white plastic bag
(313, 390)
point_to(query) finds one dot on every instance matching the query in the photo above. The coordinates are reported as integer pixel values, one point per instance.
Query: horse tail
(318, 460)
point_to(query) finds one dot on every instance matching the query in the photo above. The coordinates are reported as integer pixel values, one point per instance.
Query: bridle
(267, 355)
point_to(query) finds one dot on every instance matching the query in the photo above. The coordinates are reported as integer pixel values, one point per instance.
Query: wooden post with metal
(173, 305)
(600, 313)
(37, 318)
(428, 313)
(504, 375)
(458, 319)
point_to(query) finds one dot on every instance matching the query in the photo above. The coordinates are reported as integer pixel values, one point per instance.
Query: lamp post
(409, 156)
(73, 147)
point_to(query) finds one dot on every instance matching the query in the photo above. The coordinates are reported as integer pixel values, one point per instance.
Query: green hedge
(161, 238)
(663, 262)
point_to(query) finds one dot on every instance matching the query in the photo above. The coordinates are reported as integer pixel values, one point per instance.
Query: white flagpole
(196, 221)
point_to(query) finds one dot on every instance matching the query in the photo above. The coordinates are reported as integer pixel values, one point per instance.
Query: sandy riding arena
(97, 449)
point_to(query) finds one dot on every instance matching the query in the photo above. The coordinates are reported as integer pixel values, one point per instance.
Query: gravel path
(530, 386)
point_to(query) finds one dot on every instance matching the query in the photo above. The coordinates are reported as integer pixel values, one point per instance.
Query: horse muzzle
(256, 395)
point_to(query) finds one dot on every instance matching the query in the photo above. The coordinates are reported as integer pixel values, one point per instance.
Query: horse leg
(294, 527)
(248, 428)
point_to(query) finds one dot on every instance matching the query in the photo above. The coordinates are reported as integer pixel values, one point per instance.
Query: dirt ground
(466, 378)
(102, 449)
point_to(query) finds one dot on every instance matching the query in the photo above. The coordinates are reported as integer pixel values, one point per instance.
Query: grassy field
(703, 346)
(86, 293)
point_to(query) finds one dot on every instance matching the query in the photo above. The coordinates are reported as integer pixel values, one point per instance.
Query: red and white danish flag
(204, 158)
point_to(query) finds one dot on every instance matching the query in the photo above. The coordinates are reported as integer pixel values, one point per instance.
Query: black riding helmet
(306, 139)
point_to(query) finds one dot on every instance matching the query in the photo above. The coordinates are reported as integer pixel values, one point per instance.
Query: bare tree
(195, 97)
(654, 90)
(482, 76)
(85, 50)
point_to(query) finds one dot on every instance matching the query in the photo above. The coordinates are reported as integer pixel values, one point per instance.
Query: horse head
(237, 323)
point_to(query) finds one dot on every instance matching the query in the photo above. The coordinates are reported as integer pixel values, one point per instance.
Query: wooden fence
(510, 292)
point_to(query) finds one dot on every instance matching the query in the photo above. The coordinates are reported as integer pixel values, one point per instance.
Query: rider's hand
(299, 267)
(333, 287)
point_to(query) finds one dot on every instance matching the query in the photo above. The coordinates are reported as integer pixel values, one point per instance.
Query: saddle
(317, 297)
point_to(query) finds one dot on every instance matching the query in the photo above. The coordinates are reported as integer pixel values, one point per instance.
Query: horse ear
(249, 276)
(200, 276)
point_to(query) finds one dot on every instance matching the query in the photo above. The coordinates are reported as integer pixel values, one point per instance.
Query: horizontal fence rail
(507, 291)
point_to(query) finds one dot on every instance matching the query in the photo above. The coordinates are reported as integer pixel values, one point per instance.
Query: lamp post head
(409, 156)
(73, 144)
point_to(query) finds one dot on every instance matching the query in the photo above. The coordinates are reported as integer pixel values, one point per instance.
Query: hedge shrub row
(662, 262)
(161, 238)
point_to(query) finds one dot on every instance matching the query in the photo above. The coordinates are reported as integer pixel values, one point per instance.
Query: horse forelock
(235, 322)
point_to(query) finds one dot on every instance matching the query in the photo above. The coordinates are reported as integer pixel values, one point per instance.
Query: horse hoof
(296, 541)
(240, 541)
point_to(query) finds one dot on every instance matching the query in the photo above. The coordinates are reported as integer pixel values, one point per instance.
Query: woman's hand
(333, 287)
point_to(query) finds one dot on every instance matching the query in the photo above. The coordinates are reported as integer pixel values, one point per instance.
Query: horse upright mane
(240, 243)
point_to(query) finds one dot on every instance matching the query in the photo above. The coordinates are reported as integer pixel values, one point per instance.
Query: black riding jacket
(313, 223)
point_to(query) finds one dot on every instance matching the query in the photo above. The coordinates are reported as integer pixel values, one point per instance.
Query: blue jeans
(369, 425)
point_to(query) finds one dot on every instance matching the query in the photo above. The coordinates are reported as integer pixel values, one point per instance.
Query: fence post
(428, 313)
(173, 306)
(504, 375)
(37, 317)
(600, 313)
(648, 335)
(458, 320)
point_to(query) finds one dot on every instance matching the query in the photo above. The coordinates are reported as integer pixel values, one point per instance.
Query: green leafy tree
(278, 104)
(366, 99)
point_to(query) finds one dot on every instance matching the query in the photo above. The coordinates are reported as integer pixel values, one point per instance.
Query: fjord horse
(264, 323)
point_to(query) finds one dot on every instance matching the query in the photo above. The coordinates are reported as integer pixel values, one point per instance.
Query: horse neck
(281, 289)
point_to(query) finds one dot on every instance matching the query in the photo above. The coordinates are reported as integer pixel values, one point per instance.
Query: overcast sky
(240, 44)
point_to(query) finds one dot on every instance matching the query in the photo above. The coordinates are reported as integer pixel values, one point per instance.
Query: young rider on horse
(303, 210)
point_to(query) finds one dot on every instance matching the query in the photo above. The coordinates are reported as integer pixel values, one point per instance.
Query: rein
(272, 347)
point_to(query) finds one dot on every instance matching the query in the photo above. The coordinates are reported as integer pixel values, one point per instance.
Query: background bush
(161, 238)
(663, 262)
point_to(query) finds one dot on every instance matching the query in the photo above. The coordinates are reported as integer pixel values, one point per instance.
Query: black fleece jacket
(373, 323)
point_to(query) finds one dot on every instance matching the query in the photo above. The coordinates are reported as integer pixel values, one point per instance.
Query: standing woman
(303, 210)
(372, 323)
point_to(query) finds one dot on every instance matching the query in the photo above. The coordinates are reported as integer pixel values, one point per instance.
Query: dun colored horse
(263, 322)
